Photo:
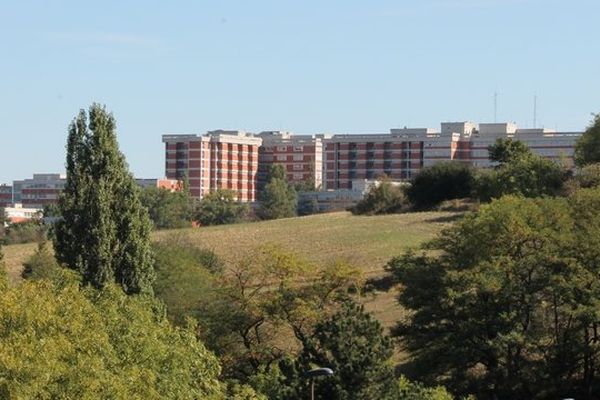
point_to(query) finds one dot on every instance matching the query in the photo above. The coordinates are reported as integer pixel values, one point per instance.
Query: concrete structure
(340, 199)
(300, 155)
(38, 191)
(218, 160)
(17, 213)
(172, 185)
(228, 159)
(6, 195)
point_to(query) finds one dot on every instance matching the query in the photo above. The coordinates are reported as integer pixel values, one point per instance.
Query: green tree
(263, 297)
(382, 198)
(80, 343)
(186, 276)
(587, 147)
(439, 182)
(505, 303)
(166, 209)
(220, 207)
(505, 150)
(529, 176)
(278, 199)
(353, 345)
(104, 231)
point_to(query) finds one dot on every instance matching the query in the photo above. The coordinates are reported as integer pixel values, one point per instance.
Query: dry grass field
(366, 242)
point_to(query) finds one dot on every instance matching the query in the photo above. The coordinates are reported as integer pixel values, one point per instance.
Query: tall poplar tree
(104, 232)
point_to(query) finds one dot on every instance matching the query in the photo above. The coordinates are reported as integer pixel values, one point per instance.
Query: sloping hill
(367, 242)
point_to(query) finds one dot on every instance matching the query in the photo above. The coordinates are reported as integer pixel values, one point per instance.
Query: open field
(367, 242)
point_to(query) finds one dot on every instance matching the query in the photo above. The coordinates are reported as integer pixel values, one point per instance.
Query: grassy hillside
(367, 242)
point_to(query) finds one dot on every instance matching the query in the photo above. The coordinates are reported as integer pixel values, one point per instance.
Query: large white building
(336, 161)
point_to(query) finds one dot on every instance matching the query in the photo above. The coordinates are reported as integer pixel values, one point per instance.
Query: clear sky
(306, 66)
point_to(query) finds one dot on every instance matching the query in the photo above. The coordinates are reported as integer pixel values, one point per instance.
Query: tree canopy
(72, 342)
(528, 175)
(505, 150)
(353, 345)
(439, 182)
(104, 230)
(166, 209)
(505, 303)
(382, 198)
(220, 207)
(587, 148)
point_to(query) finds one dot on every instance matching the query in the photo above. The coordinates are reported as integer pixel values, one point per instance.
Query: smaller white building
(17, 213)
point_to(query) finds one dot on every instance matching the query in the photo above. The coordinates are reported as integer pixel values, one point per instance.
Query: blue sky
(306, 66)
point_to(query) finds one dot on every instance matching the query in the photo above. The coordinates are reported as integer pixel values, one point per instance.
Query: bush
(307, 205)
(439, 182)
(41, 264)
(528, 176)
(382, 198)
(25, 232)
(588, 176)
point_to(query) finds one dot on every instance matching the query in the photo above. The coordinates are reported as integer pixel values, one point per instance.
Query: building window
(298, 148)
(281, 148)
(298, 167)
(298, 157)
(298, 176)
(281, 158)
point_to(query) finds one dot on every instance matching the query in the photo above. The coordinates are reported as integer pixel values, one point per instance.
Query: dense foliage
(439, 182)
(104, 230)
(41, 264)
(588, 176)
(24, 232)
(244, 310)
(506, 305)
(528, 175)
(185, 277)
(278, 198)
(505, 150)
(221, 207)
(65, 342)
(587, 148)
(353, 345)
(167, 209)
(382, 198)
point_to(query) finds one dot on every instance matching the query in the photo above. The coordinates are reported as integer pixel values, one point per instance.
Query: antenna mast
(495, 106)
(534, 111)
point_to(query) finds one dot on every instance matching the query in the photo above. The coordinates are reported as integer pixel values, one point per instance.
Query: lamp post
(312, 374)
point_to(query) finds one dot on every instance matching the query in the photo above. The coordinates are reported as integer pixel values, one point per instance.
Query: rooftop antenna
(495, 106)
(534, 111)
